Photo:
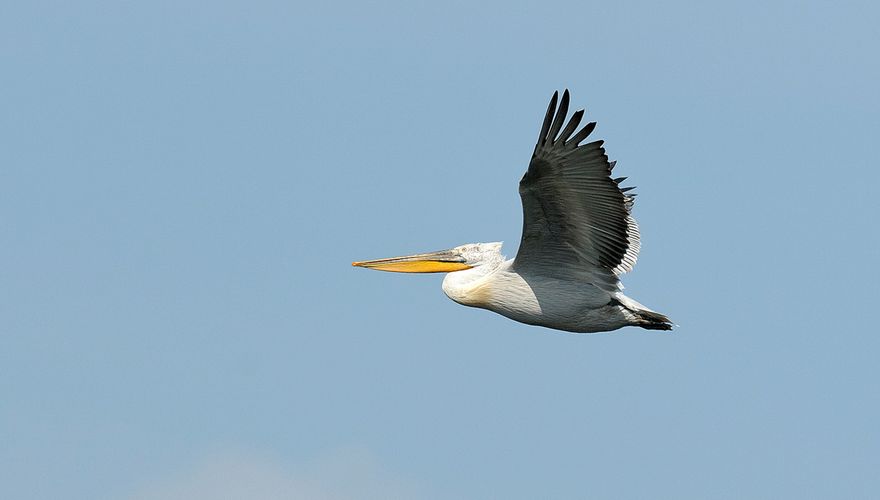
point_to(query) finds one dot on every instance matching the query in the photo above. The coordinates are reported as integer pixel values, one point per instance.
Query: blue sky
(184, 185)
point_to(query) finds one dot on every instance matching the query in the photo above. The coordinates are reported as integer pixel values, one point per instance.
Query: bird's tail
(644, 317)
(651, 320)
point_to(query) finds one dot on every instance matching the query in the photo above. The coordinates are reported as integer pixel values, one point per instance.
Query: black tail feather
(651, 320)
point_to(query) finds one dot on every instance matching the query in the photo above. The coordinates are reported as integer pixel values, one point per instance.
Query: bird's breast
(503, 292)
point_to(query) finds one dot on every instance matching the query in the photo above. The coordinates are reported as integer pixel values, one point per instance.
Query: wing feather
(572, 125)
(576, 218)
(548, 117)
(560, 116)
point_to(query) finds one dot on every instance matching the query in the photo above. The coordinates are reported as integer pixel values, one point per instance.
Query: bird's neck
(465, 287)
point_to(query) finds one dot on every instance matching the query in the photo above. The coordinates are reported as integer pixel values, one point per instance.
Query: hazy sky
(183, 186)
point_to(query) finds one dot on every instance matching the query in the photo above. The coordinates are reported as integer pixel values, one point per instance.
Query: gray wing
(576, 218)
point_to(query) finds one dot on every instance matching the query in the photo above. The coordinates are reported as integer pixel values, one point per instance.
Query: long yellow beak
(444, 261)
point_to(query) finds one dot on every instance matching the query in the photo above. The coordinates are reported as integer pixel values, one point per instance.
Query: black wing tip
(579, 137)
(554, 120)
(548, 118)
(573, 123)
(559, 120)
(566, 98)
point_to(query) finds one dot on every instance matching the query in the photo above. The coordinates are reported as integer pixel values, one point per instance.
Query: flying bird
(578, 237)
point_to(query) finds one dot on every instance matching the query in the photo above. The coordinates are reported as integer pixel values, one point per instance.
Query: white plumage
(578, 237)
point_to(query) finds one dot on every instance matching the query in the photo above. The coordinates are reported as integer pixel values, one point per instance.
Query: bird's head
(459, 258)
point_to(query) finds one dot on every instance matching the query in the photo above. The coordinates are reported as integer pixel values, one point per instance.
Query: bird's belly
(564, 305)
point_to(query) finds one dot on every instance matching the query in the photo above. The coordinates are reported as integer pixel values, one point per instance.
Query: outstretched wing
(576, 218)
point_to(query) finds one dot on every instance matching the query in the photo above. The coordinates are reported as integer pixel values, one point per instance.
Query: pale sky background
(183, 186)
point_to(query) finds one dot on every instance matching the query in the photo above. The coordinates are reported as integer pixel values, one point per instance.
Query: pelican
(578, 237)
